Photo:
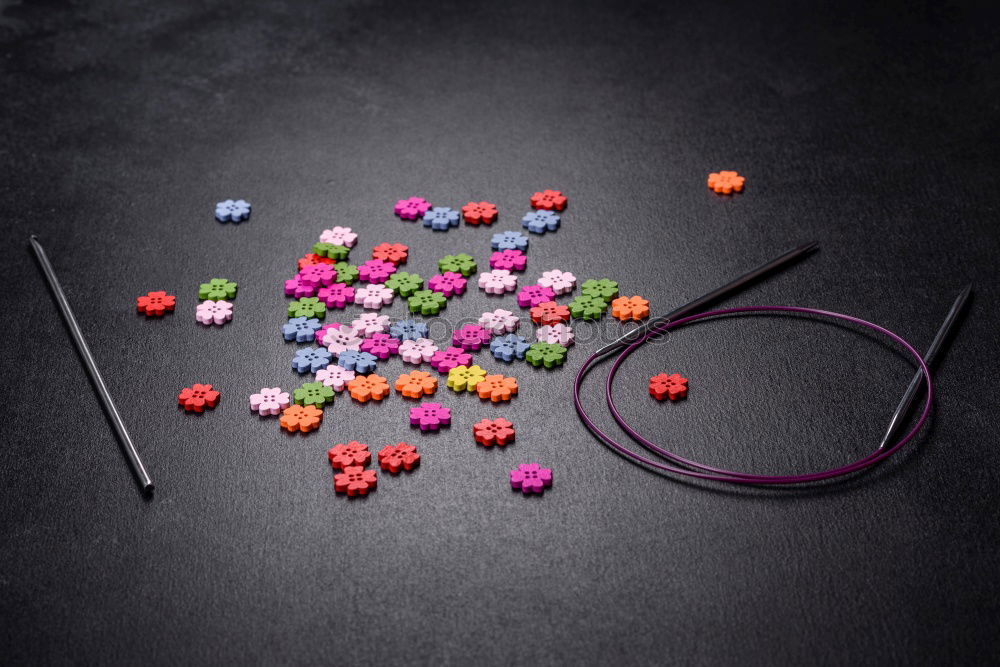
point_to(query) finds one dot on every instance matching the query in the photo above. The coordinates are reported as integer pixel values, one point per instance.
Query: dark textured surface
(871, 131)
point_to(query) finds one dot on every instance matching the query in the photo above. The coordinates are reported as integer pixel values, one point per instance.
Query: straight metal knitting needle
(939, 339)
(776, 263)
(95, 375)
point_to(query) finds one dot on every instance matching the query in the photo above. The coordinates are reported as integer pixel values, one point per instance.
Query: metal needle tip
(142, 476)
(940, 338)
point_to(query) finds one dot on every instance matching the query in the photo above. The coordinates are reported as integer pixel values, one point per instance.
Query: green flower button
(314, 393)
(404, 284)
(427, 302)
(333, 251)
(217, 289)
(547, 354)
(460, 263)
(309, 306)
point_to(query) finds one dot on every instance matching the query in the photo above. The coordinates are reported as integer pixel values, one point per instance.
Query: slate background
(872, 130)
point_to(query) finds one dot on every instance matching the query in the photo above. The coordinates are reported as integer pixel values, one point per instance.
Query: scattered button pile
(344, 356)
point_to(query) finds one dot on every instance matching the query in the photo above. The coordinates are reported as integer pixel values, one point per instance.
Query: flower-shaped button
(587, 307)
(338, 341)
(311, 359)
(232, 210)
(313, 393)
(426, 302)
(630, 308)
(538, 222)
(307, 306)
(440, 218)
(430, 416)
(376, 271)
(335, 377)
(317, 275)
(499, 321)
(394, 253)
(296, 287)
(560, 282)
(489, 432)
(404, 284)
(269, 401)
(311, 258)
(725, 182)
(497, 388)
(216, 289)
(471, 337)
(337, 253)
(465, 378)
(479, 212)
(344, 236)
(368, 387)
(214, 312)
(460, 263)
(549, 312)
(417, 351)
(321, 332)
(548, 354)
(408, 330)
(155, 304)
(355, 481)
(357, 361)
(345, 273)
(401, 456)
(497, 281)
(352, 453)
(416, 384)
(603, 288)
(412, 208)
(558, 333)
(197, 397)
(668, 386)
(337, 295)
(370, 323)
(509, 240)
(510, 260)
(448, 283)
(374, 296)
(444, 360)
(303, 418)
(509, 347)
(381, 345)
(301, 329)
(551, 200)
(532, 295)
(530, 478)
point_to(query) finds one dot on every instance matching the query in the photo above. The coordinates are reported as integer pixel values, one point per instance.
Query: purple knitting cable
(702, 471)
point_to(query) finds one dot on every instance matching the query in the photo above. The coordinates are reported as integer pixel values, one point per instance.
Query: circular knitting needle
(939, 340)
(762, 270)
(95, 375)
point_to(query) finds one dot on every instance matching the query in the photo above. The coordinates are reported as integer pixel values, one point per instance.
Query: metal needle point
(939, 339)
(95, 375)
